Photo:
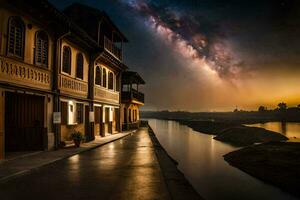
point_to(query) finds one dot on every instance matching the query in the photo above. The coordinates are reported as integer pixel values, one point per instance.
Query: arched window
(98, 76)
(16, 32)
(110, 81)
(104, 77)
(67, 60)
(79, 66)
(41, 48)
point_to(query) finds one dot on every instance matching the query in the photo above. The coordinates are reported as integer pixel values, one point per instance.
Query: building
(106, 68)
(27, 46)
(132, 99)
(59, 72)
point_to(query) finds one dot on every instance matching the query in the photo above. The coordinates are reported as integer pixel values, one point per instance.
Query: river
(200, 158)
(288, 129)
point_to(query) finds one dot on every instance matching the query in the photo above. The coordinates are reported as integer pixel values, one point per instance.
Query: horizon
(210, 55)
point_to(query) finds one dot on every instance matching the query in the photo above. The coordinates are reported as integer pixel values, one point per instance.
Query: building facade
(59, 72)
(132, 100)
(26, 81)
(107, 66)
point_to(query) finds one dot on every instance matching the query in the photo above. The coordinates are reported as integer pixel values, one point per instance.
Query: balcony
(72, 86)
(105, 95)
(112, 49)
(133, 96)
(18, 72)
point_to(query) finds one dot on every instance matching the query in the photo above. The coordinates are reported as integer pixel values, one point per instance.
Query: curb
(28, 171)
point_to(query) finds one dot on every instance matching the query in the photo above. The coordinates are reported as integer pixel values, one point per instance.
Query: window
(16, 32)
(104, 77)
(67, 60)
(79, 66)
(41, 48)
(98, 76)
(79, 107)
(125, 88)
(110, 81)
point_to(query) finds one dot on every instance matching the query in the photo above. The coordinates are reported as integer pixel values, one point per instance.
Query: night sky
(210, 55)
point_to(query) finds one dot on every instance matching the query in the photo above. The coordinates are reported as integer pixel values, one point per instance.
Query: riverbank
(277, 163)
(241, 117)
(234, 133)
(177, 184)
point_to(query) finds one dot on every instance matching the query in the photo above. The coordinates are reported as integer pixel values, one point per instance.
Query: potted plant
(77, 137)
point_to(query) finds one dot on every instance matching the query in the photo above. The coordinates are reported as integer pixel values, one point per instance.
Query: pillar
(2, 115)
(91, 79)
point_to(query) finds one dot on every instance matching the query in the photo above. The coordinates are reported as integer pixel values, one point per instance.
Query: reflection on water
(200, 158)
(289, 129)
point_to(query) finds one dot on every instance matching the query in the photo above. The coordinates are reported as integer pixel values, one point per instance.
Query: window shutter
(39, 51)
(67, 59)
(16, 37)
(79, 107)
(45, 52)
(18, 41)
(107, 114)
(111, 81)
(97, 115)
(64, 113)
(104, 78)
(79, 67)
(11, 46)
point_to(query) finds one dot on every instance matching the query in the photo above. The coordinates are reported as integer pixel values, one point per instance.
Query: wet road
(124, 169)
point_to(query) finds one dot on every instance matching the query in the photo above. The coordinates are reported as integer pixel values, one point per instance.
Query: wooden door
(24, 122)
(98, 120)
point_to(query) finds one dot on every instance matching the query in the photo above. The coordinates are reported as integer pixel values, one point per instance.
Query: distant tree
(262, 109)
(282, 106)
(236, 110)
(298, 106)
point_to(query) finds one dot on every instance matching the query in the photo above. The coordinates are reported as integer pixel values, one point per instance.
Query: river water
(289, 129)
(200, 158)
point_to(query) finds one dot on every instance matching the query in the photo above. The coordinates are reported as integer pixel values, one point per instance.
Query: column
(2, 115)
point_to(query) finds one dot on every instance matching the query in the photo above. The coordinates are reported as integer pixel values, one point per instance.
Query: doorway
(24, 122)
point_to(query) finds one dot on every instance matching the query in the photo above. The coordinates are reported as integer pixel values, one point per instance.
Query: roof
(132, 77)
(52, 18)
(89, 17)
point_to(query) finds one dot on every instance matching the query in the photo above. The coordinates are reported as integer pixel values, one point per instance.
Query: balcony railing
(72, 85)
(18, 72)
(133, 95)
(105, 95)
(113, 49)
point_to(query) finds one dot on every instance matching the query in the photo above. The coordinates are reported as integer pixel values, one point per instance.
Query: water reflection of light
(288, 129)
(201, 160)
(212, 149)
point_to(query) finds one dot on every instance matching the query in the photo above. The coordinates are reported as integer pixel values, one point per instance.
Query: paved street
(124, 169)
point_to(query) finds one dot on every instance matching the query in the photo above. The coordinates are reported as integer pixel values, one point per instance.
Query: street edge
(177, 184)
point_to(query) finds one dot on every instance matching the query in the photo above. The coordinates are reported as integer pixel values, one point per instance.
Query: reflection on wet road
(124, 169)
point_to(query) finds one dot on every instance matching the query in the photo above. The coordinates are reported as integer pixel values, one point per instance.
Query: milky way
(184, 32)
(210, 55)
